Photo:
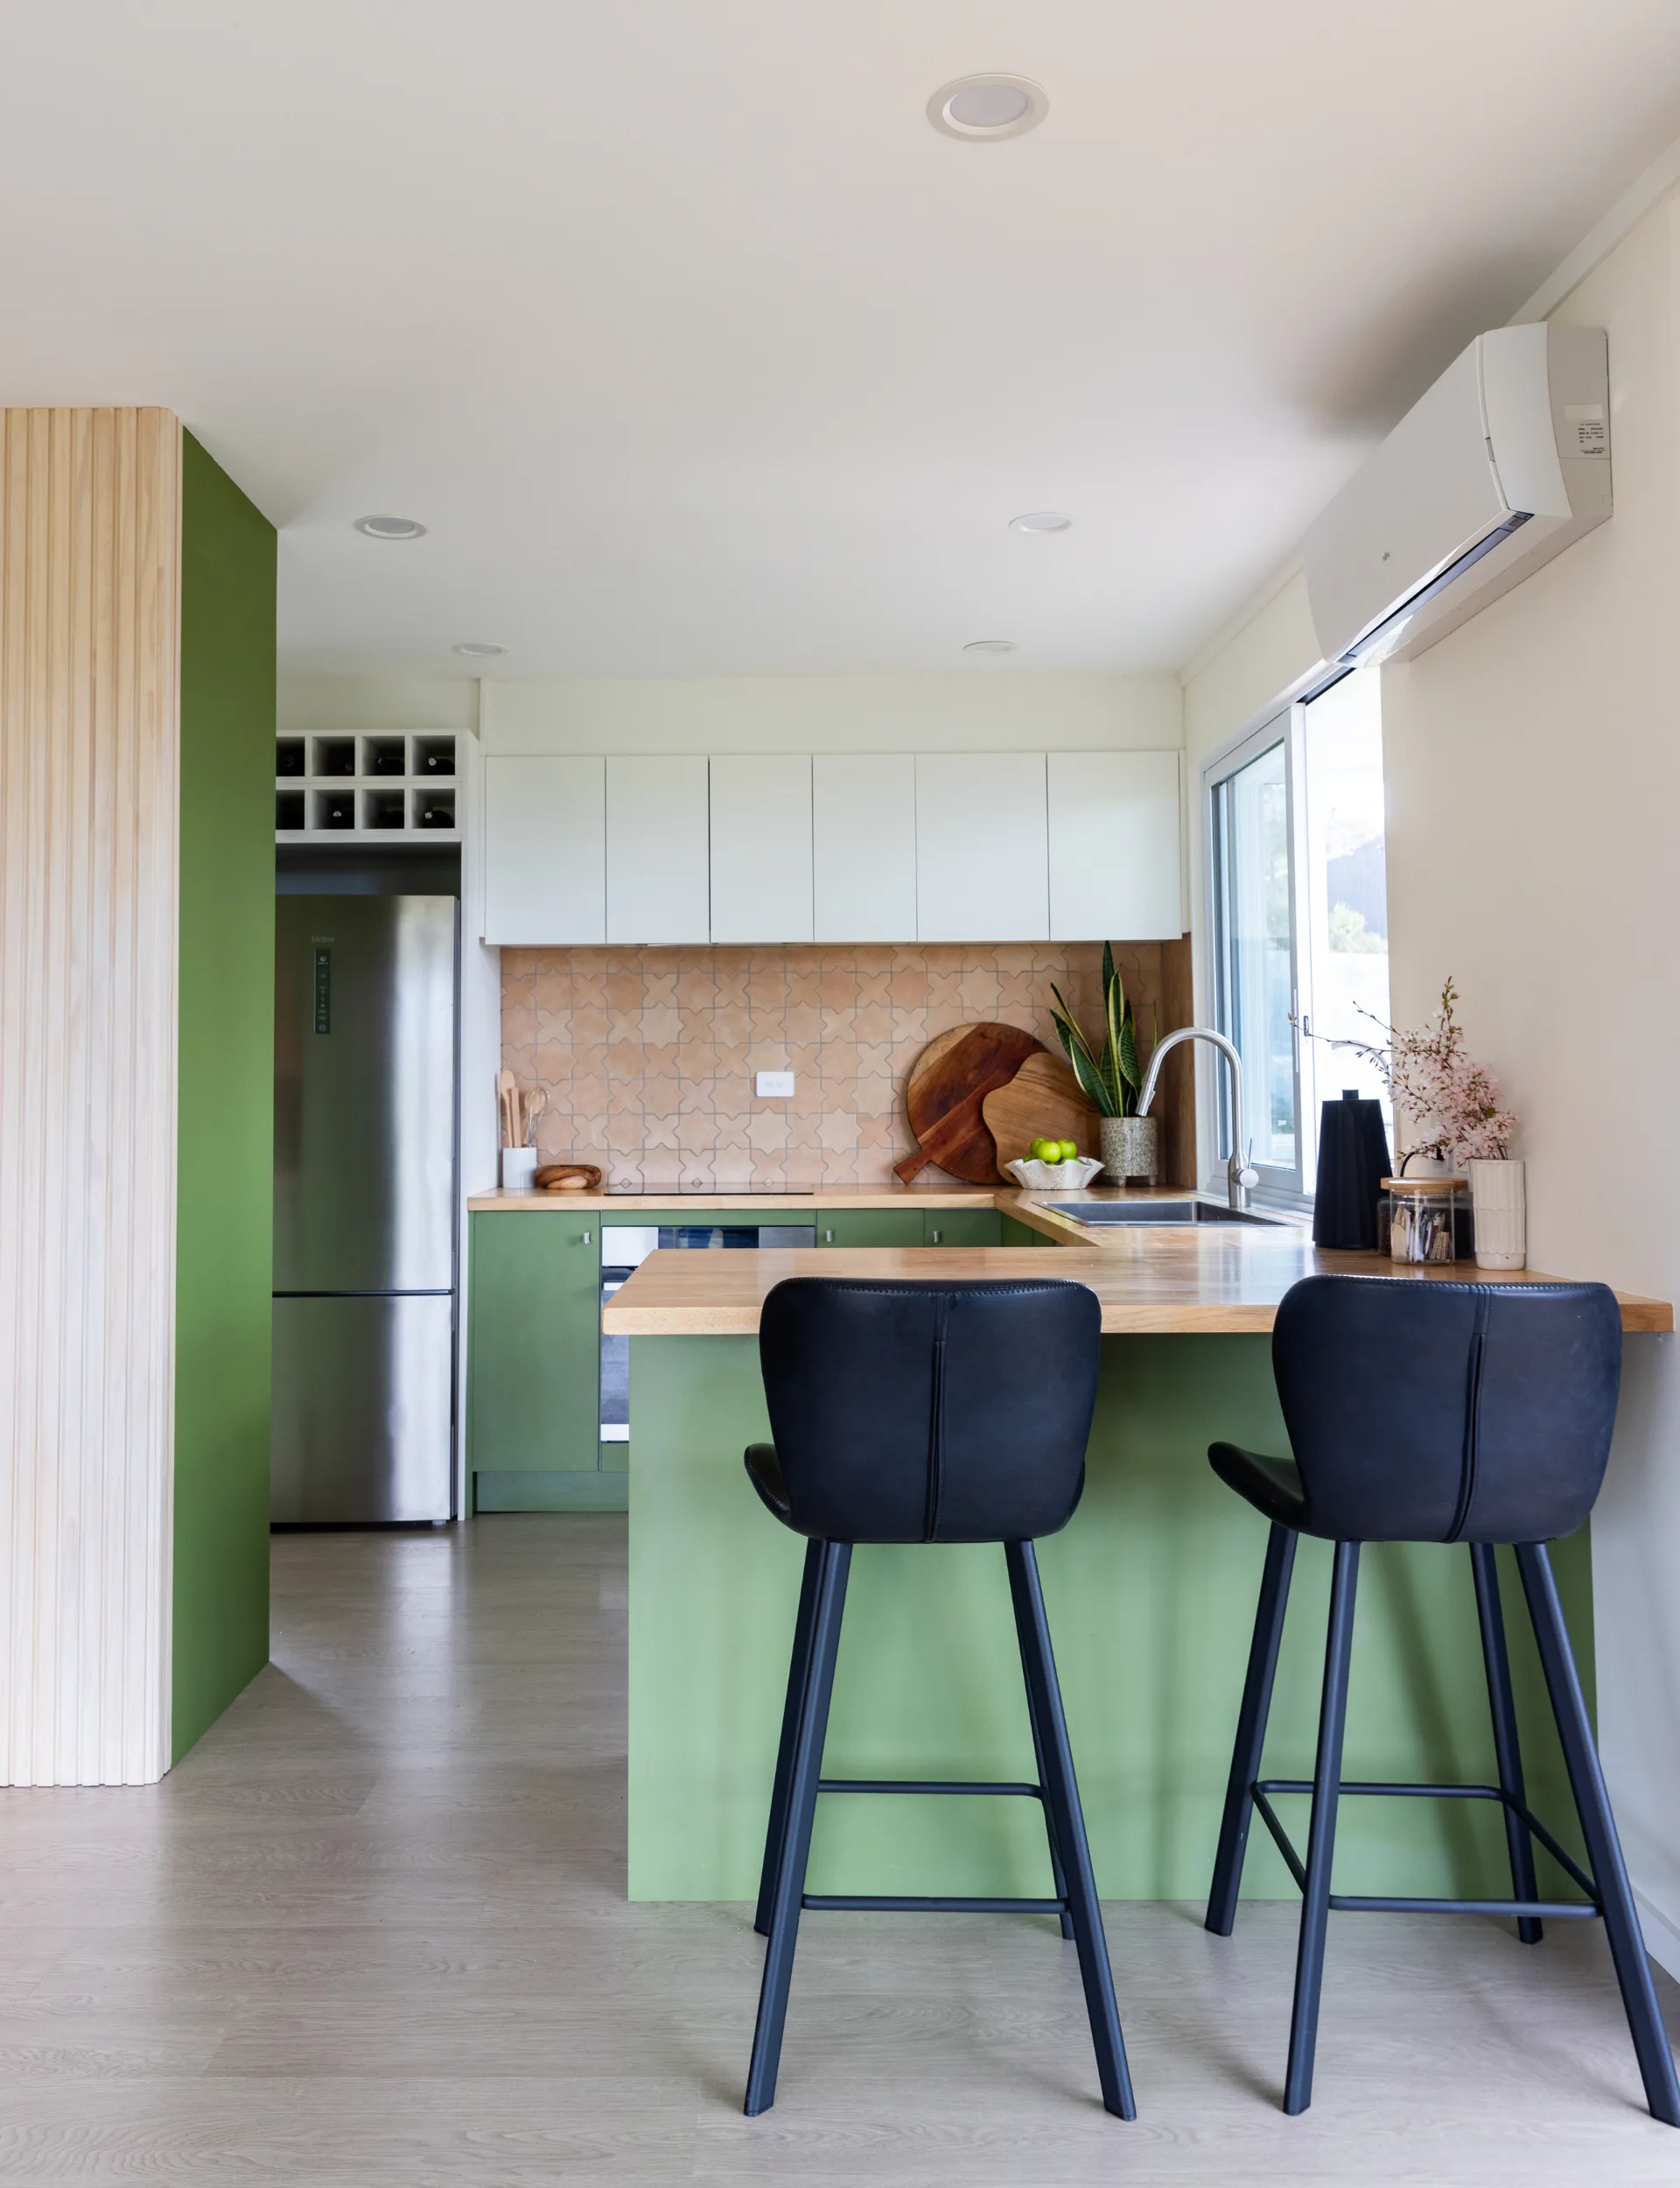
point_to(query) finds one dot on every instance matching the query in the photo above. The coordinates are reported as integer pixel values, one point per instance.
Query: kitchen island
(1150, 1591)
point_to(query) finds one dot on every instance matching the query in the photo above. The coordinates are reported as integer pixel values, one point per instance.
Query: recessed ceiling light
(391, 527)
(992, 105)
(478, 648)
(1041, 520)
(990, 646)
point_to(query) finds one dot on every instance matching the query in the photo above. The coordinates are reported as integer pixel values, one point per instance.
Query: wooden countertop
(1033, 1209)
(818, 1196)
(1217, 1281)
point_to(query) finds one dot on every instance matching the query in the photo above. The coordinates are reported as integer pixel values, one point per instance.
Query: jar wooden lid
(1424, 1184)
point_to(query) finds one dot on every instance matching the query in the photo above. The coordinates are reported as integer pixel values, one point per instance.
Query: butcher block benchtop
(745, 1197)
(1156, 1282)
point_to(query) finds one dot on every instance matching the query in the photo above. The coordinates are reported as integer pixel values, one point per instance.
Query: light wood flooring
(372, 1932)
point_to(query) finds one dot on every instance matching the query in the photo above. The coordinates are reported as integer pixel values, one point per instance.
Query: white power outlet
(777, 1086)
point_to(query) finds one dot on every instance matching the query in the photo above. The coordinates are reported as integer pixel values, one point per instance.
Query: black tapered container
(1353, 1162)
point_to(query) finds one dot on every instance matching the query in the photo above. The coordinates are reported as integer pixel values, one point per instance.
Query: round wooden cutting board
(952, 1078)
(1041, 1101)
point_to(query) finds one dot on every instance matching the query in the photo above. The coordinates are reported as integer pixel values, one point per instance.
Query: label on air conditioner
(1587, 431)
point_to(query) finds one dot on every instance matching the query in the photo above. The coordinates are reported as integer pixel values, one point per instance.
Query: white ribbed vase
(1131, 1150)
(1498, 1193)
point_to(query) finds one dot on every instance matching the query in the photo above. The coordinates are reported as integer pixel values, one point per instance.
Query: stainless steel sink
(1162, 1215)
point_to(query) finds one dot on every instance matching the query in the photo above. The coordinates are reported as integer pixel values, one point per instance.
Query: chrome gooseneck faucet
(1240, 1173)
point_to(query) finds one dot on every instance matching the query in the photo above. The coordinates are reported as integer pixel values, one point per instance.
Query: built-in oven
(624, 1247)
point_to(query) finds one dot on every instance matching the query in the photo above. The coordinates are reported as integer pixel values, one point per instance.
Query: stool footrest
(829, 1902)
(1560, 1910)
(1435, 1792)
(928, 1785)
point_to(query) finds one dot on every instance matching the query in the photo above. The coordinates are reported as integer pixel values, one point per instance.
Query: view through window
(1251, 833)
(1343, 974)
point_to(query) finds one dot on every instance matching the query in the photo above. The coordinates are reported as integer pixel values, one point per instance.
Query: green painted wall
(225, 1147)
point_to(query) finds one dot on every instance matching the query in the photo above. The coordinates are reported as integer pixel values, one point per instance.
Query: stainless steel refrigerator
(364, 1209)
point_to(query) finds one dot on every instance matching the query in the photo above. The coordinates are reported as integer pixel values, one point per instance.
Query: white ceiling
(700, 352)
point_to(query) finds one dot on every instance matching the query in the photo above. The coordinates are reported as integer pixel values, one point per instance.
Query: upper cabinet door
(761, 847)
(982, 871)
(1114, 834)
(863, 846)
(656, 849)
(544, 850)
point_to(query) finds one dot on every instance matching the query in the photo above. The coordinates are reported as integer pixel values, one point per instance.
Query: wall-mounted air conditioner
(1495, 471)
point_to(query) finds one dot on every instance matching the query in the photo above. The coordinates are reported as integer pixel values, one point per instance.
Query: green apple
(1045, 1151)
(1068, 1151)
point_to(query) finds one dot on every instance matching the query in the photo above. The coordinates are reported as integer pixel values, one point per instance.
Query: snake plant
(1109, 1079)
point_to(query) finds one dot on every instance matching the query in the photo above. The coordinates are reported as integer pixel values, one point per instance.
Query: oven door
(624, 1247)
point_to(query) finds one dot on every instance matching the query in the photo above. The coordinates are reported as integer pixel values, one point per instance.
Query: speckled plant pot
(1131, 1149)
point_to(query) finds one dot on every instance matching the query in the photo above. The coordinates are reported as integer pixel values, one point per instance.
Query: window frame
(1284, 722)
(1280, 1186)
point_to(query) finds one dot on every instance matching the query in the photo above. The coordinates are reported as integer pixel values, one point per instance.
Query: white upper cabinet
(1114, 836)
(657, 850)
(859, 847)
(982, 868)
(863, 846)
(544, 850)
(761, 847)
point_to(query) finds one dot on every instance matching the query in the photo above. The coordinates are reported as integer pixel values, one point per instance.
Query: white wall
(1532, 761)
(1533, 770)
(374, 702)
(987, 710)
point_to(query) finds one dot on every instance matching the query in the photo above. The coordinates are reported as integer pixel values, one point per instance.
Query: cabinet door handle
(589, 1237)
(937, 1236)
(828, 1238)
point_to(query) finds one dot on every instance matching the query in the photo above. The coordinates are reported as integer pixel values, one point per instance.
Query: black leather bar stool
(911, 1413)
(1419, 1412)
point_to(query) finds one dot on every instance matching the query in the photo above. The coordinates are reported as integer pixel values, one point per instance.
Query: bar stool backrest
(923, 1413)
(1432, 1411)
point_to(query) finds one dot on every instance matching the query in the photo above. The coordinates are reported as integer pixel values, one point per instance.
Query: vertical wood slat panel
(89, 764)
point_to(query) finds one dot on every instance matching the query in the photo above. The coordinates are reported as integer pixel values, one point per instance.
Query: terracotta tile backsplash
(648, 1056)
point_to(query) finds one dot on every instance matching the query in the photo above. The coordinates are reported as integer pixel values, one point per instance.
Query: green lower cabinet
(869, 1227)
(533, 1359)
(1015, 1234)
(532, 1368)
(961, 1227)
(909, 1227)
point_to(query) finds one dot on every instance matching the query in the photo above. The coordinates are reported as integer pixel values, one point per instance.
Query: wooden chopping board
(1041, 1101)
(952, 1078)
(569, 1177)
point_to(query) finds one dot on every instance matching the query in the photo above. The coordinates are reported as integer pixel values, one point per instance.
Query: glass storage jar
(1422, 1217)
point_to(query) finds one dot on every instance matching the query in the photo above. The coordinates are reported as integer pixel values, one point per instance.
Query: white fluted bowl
(1049, 1177)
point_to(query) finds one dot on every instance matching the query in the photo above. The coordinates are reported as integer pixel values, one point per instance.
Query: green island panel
(1150, 1592)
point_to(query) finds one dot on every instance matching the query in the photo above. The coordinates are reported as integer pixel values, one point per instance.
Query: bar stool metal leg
(1507, 1752)
(1039, 1662)
(797, 1670)
(1599, 1829)
(1251, 1729)
(1058, 1879)
(806, 1767)
(1321, 1833)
